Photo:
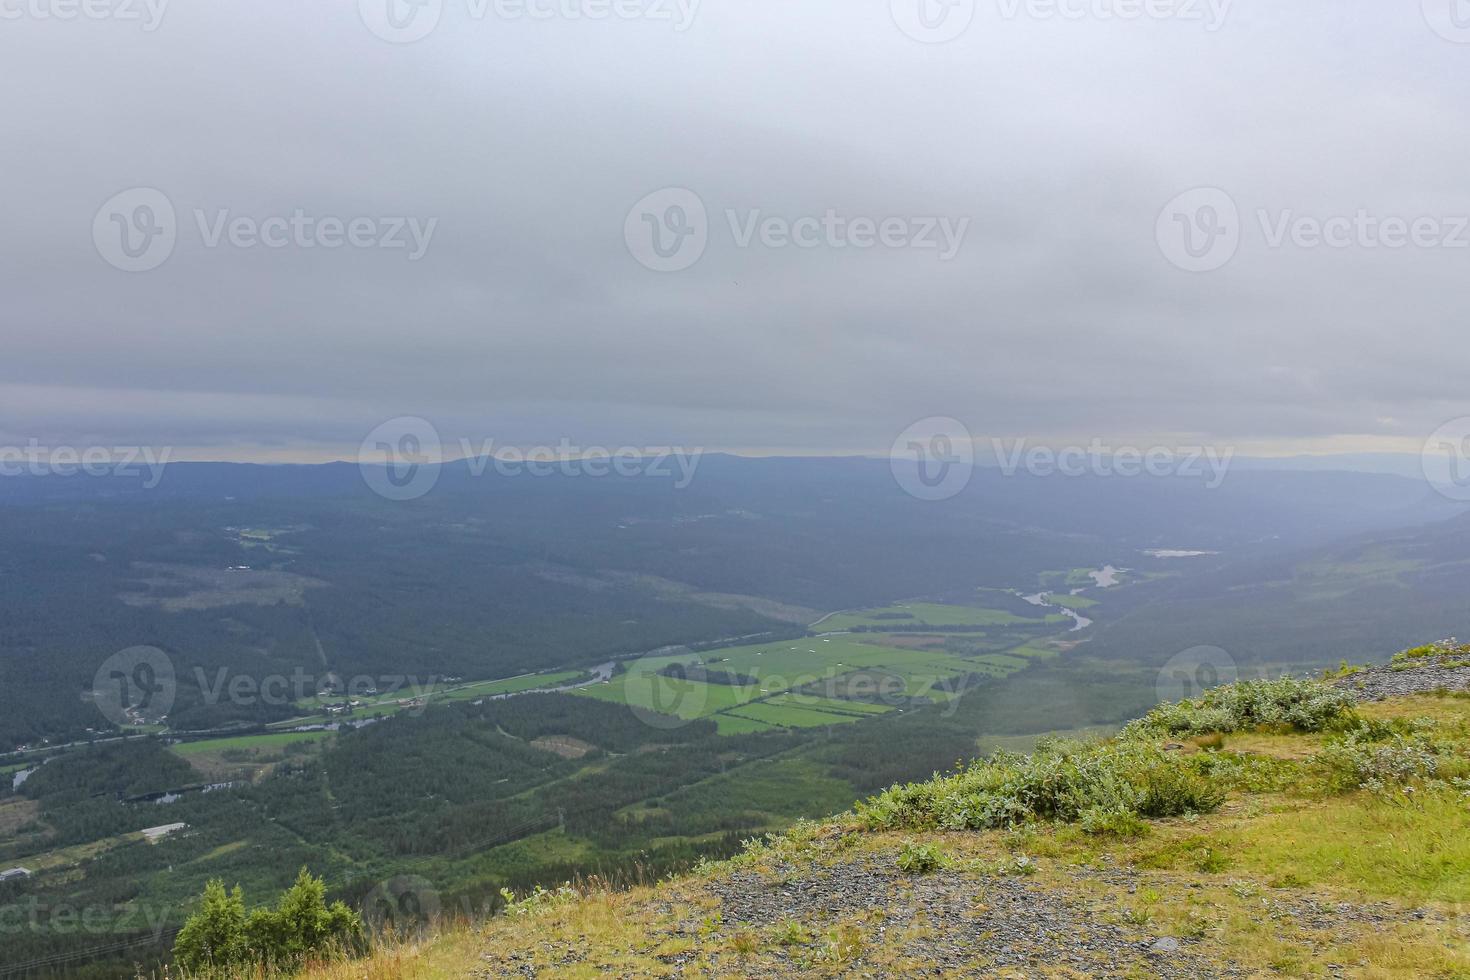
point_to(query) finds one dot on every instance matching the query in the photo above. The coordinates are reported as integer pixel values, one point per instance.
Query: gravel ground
(1378, 683)
(951, 924)
(975, 925)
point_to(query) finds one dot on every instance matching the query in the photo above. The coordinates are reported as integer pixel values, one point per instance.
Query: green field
(270, 741)
(913, 614)
(800, 683)
(1071, 579)
(833, 705)
(1033, 652)
(728, 724)
(793, 716)
(1075, 602)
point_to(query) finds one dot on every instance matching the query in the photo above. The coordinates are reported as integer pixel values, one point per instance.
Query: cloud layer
(1058, 139)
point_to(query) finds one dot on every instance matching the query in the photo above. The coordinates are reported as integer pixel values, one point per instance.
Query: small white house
(14, 873)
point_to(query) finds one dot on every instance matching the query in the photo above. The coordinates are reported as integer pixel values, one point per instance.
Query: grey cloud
(528, 319)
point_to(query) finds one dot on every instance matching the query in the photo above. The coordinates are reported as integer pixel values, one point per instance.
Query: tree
(221, 935)
(302, 923)
(215, 935)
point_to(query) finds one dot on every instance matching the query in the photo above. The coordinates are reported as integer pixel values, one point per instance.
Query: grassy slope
(1281, 880)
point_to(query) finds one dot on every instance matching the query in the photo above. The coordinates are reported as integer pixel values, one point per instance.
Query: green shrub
(919, 859)
(1060, 781)
(1443, 648)
(222, 937)
(1286, 703)
(1118, 823)
(1367, 760)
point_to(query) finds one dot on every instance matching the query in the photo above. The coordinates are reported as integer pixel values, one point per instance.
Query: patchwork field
(805, 683)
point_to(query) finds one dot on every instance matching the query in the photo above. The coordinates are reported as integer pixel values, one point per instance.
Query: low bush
(1443, 648)
(1061, 781)
(1388, 756)
(1116, 823)
(1285, 704)
(919, 859)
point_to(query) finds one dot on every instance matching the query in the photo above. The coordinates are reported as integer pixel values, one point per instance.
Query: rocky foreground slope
(1268, 829)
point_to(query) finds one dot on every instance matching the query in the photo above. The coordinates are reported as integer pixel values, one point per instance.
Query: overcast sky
(1048, 147)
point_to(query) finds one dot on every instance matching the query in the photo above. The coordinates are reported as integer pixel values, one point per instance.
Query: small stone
(1165, 944)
